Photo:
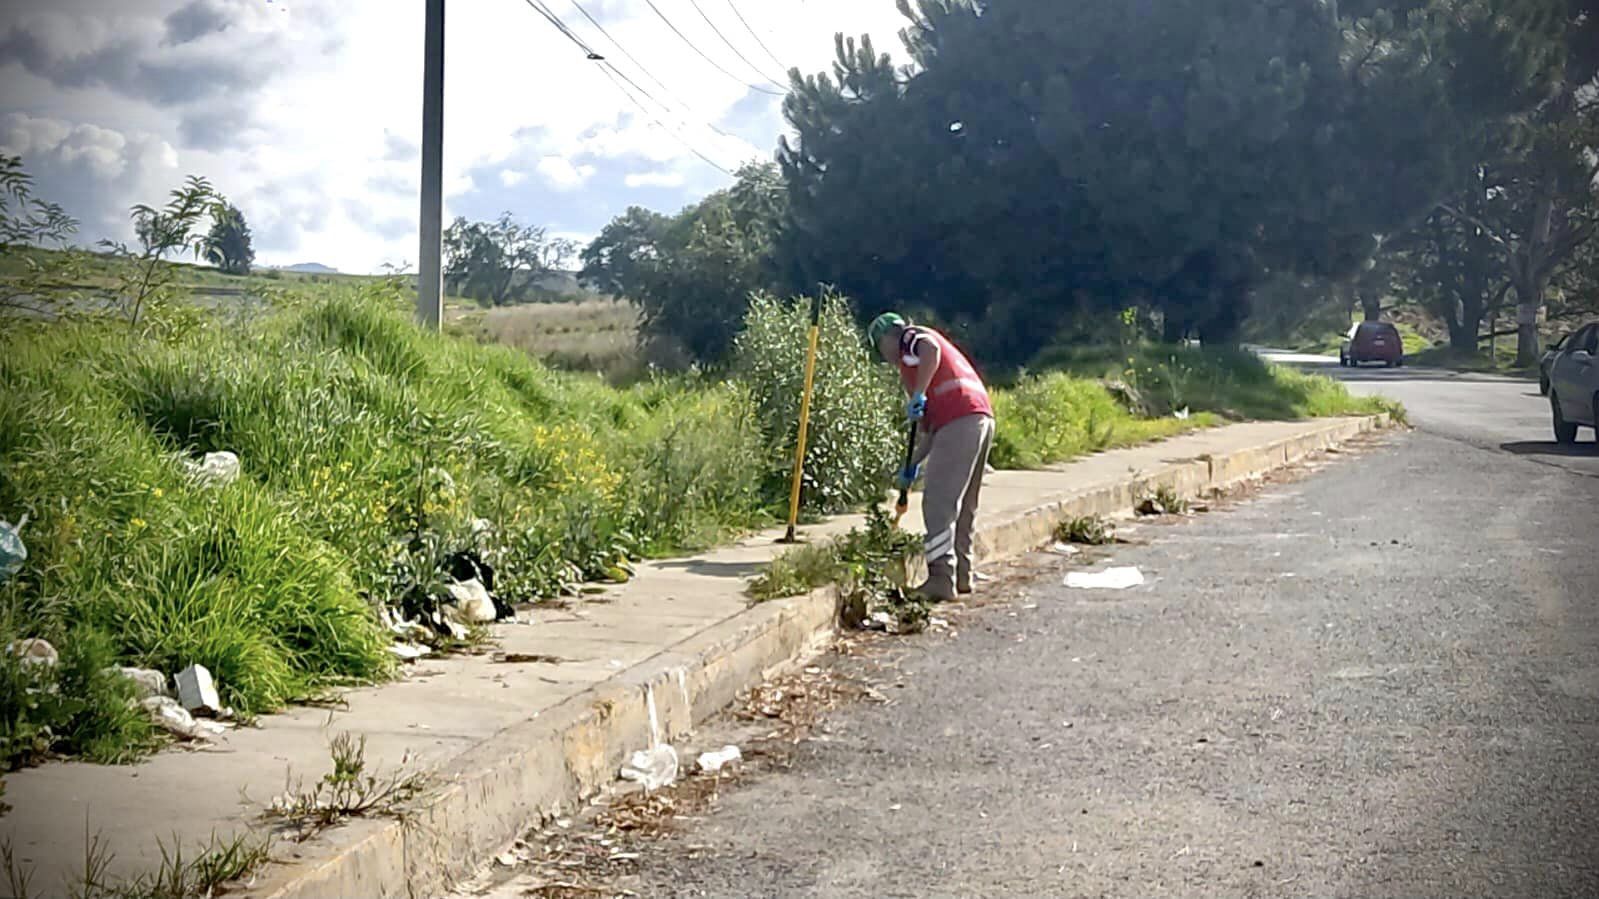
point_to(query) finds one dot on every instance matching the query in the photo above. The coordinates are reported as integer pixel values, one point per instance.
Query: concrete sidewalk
(510, 742)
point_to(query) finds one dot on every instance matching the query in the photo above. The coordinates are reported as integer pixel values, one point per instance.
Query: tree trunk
(1224, 325)
(1530, 280)
(1371, 304)
(1527, 345)
(1465, 324)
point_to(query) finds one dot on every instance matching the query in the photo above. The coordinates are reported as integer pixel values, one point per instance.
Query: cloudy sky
(306, 113)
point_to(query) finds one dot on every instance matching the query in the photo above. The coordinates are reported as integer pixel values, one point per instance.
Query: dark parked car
(1373, 342)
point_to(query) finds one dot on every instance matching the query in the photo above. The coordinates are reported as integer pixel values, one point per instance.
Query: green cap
(882, 325)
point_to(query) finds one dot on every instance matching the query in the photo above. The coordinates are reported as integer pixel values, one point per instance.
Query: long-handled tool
(904, 502)
(805, 419)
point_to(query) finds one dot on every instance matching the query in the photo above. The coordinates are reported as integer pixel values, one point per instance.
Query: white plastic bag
(12, 551)
(1109, 579)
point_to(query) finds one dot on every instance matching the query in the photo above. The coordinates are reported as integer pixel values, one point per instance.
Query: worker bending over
(949, 401)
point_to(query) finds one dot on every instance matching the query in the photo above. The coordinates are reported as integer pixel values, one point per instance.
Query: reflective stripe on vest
(955, 391)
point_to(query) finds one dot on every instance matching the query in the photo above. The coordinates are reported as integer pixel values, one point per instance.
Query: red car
(1372, 342)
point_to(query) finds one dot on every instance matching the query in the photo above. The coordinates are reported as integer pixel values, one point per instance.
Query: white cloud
(561, 174)
(655, 179)
(82, 163)
(307, 114)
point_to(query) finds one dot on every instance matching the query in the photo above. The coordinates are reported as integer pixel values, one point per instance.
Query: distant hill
(311, 268)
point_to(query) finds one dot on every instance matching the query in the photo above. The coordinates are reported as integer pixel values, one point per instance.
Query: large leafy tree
(500, 262)
(1044, 156)
(1447, 265)
(1521, 211)
(692, 275)
(228, 246)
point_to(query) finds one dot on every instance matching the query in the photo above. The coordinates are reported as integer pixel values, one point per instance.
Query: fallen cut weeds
(348, 791)
(868, 568)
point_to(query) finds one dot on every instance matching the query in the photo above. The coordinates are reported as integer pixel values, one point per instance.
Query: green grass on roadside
(368, 447)
(1232, 385)
(1050, 418)
(1503, 362)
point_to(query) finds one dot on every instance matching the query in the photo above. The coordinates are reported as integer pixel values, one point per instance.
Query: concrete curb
(554, 760)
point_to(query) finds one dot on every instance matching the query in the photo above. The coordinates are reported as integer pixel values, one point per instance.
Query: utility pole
(430, 271)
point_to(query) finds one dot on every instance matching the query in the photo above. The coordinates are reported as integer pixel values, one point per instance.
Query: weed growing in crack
(1163, 500)
(348, 791)
(221, 864)
(1090, 530)
(18, 877)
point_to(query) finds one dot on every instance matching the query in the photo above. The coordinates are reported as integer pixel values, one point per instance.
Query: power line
(560, 26)
(617, 76)
(758, 41)
(641, 67)
(703, 55)
(658, 123)
(736, 51)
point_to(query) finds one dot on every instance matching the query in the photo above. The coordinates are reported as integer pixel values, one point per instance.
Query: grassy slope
(356, 432)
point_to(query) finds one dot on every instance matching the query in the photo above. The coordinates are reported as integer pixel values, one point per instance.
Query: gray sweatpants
(956, 455)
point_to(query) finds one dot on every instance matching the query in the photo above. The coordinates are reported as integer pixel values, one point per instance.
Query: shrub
(1050, 418)
(699, 468)
(853, 436)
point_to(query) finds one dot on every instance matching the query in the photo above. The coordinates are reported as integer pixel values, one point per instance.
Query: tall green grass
(1054, 417)
(1233, 384)
(1070, 411)
(365, 444)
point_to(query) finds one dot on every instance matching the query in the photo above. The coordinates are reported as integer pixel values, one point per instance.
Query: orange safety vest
(955, 392)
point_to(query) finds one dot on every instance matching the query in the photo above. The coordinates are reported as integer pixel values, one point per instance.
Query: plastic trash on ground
(408, 652)
(473, 602)
(35, 652)
(1109, 579)
(714, 761)
(653, 768)
(146, 683)
(167, 714)
(215, 470)
(197, 691)
(12, 550)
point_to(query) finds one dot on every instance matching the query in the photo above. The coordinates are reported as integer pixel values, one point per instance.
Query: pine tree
(1043, 157)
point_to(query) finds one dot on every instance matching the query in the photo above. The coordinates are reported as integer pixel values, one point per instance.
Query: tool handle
(905, 492)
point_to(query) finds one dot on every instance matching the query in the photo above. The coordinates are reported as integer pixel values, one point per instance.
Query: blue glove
(908, 476)
(917, 407)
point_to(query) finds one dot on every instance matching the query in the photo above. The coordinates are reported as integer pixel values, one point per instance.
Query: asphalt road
(1379, 681)
(1500, 413)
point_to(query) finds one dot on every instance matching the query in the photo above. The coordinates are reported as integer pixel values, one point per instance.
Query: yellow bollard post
(805, 419)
